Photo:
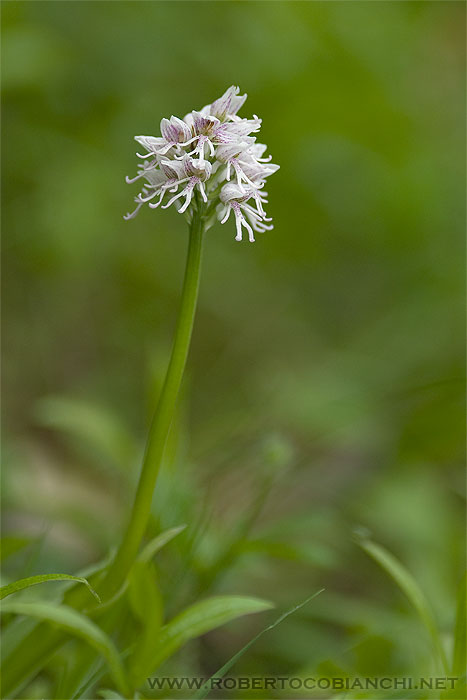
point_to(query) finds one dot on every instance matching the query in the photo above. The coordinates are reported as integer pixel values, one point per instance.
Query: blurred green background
(325, 384)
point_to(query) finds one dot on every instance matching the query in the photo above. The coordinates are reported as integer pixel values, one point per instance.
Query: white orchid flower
(200, 153)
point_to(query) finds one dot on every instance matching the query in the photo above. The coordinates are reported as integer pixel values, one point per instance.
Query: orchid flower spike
(212, 152)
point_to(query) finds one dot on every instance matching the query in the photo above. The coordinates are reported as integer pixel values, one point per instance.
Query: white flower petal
(229, 104)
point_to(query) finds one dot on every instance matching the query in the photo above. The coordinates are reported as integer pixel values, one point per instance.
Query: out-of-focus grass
(326, 376)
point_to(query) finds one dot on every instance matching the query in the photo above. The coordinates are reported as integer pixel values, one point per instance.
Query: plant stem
(163, 416)
(34, 650)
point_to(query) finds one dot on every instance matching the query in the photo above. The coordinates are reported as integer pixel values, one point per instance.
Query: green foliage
(325, 386)
(146, 605)
(232, 661)
(459, 655)
(201, 618)
(407, 583)
(90, 425)
(152, 547)
(10, 544)
(42, 578)
(110, 694)
(75, 623)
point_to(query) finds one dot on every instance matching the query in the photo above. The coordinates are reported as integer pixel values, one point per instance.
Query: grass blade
(78, 625)
(460, 631)
(158, 542)
(204, 691)
(201, 618)
(83, 691)
(410, 587)
(23, 583)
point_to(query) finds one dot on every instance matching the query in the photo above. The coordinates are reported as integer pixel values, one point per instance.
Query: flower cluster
(211, 152)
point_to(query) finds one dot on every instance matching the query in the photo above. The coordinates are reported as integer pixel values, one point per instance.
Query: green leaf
(34, 580)
(109, 694)
(96, 426)
(146, 604)
(10, 544)
(76, 624)
(158, 542)
(315, 553)
(91, 681)
(410, 587)
(460, 631)
(201, 618)
(228, 665)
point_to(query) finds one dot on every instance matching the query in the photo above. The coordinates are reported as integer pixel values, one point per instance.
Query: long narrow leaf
(83, 690)
(23, 583)
(146, 605)
(410, 587)
(94, 425)
(158, 542)
(460, 632)
(76, 624)
(201, 618)
(228, 665)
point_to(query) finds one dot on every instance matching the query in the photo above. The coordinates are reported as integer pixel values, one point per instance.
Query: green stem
(162, 420)
(36, 648)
